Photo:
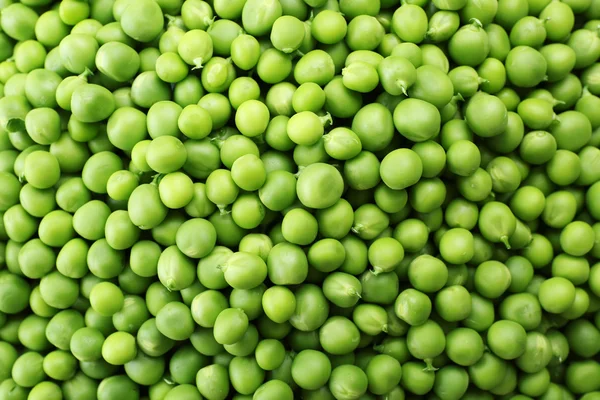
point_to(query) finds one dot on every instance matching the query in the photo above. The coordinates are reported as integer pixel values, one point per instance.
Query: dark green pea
(380, 288)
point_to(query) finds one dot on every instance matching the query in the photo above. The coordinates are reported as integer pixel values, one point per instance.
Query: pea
(311, 308)
(461, 302)
(477, 40)
(416, 379)
(586, 368)
(348, 381)
(451, 382)
(19, 21)
(312, 183)
(347, 102)
(464, 346)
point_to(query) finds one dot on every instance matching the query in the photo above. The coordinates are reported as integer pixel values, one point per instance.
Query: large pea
(525, 66)
(486, 115)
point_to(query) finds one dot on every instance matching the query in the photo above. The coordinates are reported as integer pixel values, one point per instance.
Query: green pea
(348, 381)
(92, 103)
(18, 21)
(244, 271)
(409, 22)
(524, 55)
(112, 32)
(397, 74)
(360, 76)
(464, 346)
(364, 33)
(174, 320)
(118, 61)
(505, 174)
(473, 36)
(486, 115)
(347, 102)
(212, 381)
(497, 222)
(443, 25)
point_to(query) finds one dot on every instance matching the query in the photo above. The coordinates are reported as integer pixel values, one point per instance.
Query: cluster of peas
(311, 199)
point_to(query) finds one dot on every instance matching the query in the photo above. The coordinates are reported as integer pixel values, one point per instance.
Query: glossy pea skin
(475, 38)
(348, 381)
(410, 23)
(417, 120)
(19, 21)
(525, 55)
(365, 32)
(442, 25)
(416, 379)
(486, 115)
(360, 76)
(475, 187)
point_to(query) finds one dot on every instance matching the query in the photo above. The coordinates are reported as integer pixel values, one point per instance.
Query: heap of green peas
(299, 199)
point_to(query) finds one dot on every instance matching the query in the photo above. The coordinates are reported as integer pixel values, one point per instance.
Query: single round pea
(426, 342)
(486, 115)
(119, 348)
(417, 120)
(464, 346)
(347, 382)
(279, 303)
(556, 295)
(453, 303)
(492, 287)
(106, 299)
(507, 339)
(413, 307)
(174, 320)
(335, 328)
